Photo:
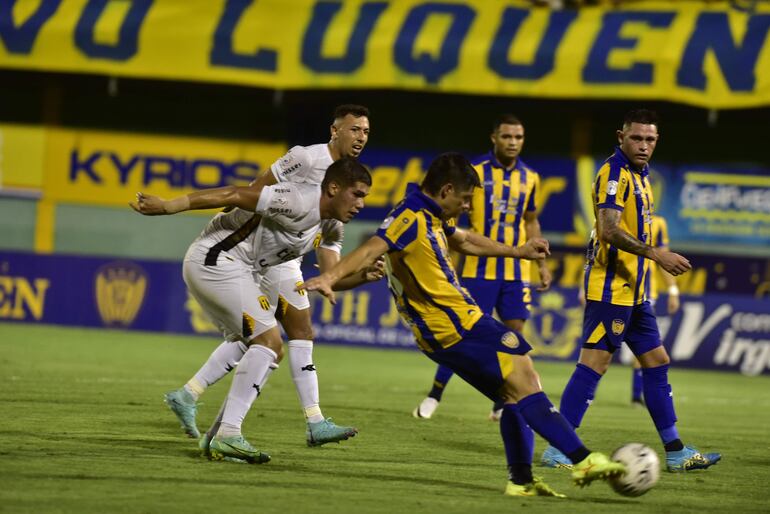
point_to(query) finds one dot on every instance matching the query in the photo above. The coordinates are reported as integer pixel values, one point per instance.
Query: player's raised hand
(535, 248)
(148, 205)
(322, 284)
(545, 277)
(671, 262)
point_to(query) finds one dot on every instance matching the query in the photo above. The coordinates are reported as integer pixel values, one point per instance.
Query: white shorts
(279, 282)
(231, 297)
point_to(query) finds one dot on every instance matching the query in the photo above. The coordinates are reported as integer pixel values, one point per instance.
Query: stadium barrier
(706, 54)
(712, 331)
(704, 205)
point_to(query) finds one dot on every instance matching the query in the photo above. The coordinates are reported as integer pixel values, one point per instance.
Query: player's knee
(299, 332)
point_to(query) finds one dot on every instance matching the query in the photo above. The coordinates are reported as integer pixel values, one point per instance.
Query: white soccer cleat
(426, 408)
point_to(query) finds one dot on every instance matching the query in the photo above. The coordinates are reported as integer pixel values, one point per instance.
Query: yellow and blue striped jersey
(421, 276)
(612, 275)
(659, 239)
(497, 211)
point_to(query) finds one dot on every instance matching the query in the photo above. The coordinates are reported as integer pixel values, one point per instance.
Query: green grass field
(84, 429)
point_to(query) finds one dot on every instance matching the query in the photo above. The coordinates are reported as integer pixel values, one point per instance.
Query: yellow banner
(22, 150)
(108, 168)
(710, 54)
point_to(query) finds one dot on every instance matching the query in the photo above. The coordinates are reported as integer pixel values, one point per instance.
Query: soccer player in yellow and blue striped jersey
(616, 281)
(450, 327)
(503, 209)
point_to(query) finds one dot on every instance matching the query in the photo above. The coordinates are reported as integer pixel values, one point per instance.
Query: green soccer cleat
(327, 432)
(183, 405)
(203, 444)
(596, 466)
(535, 488)
(689, 459)
(235, 447)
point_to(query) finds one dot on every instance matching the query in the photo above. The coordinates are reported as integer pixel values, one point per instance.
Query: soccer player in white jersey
(349, 134)
(270, 225)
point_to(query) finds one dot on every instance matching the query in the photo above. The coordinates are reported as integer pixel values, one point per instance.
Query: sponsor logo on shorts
(618, 325)
(510, 340)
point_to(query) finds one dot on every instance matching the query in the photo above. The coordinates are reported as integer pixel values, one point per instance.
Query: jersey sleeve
(332, 234)
(610, 187)
(295, 166)
(399, 229)
(532, 203)
(282, 203)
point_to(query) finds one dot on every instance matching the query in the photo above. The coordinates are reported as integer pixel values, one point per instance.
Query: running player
(450, 327)
(270, 225)
(503, 209)
(349, 133)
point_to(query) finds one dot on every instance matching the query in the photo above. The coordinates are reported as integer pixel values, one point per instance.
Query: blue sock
(636, 385)
(519, 443)
(443, 374)
(660, 402)
(544, 419)
(579, 394)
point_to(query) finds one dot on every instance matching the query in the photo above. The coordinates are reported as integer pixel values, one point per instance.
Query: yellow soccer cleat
(535, 488)
(596, 466)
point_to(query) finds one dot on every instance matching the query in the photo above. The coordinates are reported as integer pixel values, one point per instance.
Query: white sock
(218, 420)
(248, 381)
(305, 378)
(221, 361)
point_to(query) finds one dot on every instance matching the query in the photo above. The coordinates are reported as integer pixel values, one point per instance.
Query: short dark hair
(450, 168)
(642, 116)
(506, 119)
(346, 172)
(356, 110)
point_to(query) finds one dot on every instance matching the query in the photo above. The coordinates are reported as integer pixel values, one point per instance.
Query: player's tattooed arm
(471, 243)
(610, 231)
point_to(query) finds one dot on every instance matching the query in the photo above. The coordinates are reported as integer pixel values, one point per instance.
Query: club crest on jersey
(617, 326)
(120, 289)
(612, 187)
(510, 340)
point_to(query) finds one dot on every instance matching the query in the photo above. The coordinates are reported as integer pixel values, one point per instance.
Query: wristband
(673, 290)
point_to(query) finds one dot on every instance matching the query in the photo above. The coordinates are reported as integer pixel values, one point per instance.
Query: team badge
(264, 303)
(510, 340)
(120, 289)
(386, 222)
(298, 285)
(612, 187)
(618, 326)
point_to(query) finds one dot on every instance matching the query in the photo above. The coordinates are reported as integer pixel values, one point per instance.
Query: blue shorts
(511, 298)
(483, 358)
(607, 326)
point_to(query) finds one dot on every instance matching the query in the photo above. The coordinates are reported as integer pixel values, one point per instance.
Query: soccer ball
(643, 469)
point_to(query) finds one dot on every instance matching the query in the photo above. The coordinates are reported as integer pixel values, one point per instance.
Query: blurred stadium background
(102, 98)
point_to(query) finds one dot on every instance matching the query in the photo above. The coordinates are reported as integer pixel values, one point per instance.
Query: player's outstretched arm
(327, 259)
(214, 198)
(471, 243)
(360, 258)
(609, 230)
(532, 228)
